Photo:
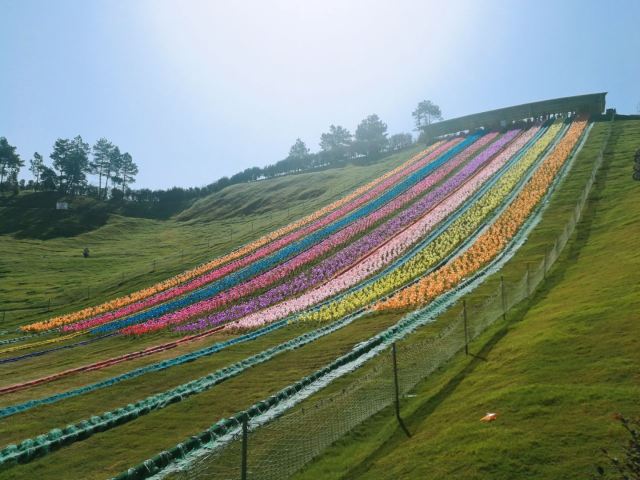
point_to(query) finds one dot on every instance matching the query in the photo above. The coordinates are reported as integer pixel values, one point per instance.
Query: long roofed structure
(593, 103)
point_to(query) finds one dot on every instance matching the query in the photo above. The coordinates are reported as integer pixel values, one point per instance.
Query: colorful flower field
(391, 246)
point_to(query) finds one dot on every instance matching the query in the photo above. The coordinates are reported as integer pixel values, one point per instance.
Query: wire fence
(280, 448)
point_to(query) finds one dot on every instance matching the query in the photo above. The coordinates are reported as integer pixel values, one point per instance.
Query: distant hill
(34, 215)
(281, 193)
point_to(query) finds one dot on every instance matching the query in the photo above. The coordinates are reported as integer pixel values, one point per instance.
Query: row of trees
(72, 161)
(337, 147)
(10, 163)
(109, 164)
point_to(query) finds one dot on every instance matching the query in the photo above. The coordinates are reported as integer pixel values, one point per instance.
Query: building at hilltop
(593, 104)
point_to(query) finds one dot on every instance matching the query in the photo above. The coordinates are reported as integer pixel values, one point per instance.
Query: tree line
(338, 147)
(73, 160)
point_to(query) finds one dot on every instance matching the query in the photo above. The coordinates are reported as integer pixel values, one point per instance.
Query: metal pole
(245, 441)
(397, 389)
(504, 301)
(466, 328)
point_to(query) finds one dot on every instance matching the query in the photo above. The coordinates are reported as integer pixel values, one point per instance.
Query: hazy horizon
(197, 90)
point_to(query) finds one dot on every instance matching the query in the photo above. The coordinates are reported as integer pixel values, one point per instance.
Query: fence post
(466, 328)
(245, 441)
(397, 389)
(504, 300)
(528, 281)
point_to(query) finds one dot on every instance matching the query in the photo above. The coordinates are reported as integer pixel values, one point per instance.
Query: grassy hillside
(129, 253)
(135, 441)
(34, 215)
(556, 371)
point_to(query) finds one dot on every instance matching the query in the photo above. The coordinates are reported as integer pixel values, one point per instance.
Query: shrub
(628, 466)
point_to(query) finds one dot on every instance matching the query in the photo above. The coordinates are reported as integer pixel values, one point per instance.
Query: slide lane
(269, 262)
(318, 273)
(237, 253)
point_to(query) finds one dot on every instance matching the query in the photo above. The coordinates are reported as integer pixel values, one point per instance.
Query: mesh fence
(280, 448)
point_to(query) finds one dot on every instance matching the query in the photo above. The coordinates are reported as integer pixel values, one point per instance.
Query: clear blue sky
(199, 89)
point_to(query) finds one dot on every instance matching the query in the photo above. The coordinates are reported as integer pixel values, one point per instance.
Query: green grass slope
(556, 372)
(34, 215)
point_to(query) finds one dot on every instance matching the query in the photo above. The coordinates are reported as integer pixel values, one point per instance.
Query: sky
(195, 90)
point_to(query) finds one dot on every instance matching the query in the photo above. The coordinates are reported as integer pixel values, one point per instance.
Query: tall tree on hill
(299, 156)
(79, 167)
(111, 169)
(371, 137)
(71, 160)
(35, 167)
(10, 161)
(336, 144)
(128, 171)
(61, 149)
(48, 179)
(425, 113)
(60, 155)
(101, 158)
